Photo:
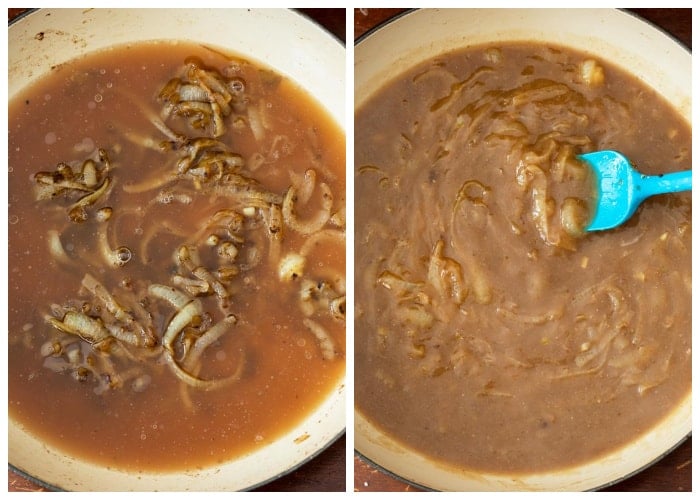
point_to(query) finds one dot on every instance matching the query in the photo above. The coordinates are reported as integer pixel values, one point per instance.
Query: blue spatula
(621, 188)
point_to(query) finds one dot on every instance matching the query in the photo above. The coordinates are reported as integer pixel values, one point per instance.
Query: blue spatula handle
(649, 185)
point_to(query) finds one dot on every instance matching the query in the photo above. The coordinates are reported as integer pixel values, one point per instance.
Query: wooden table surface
(672, 473)
(327, 471)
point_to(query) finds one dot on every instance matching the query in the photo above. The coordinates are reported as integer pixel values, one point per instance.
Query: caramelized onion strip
(325, 342)
(92, 330)
(316, 222)
(208, 338)
(198, 383)
(185, 316)
(56, 248)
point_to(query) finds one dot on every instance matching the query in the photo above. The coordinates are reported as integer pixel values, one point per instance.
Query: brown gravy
(487, 336)
(126, 401)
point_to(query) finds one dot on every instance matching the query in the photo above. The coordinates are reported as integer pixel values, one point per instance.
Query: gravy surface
(490, 333)
(137, 411)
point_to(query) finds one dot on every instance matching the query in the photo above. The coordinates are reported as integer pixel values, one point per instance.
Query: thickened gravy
(491, 332)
